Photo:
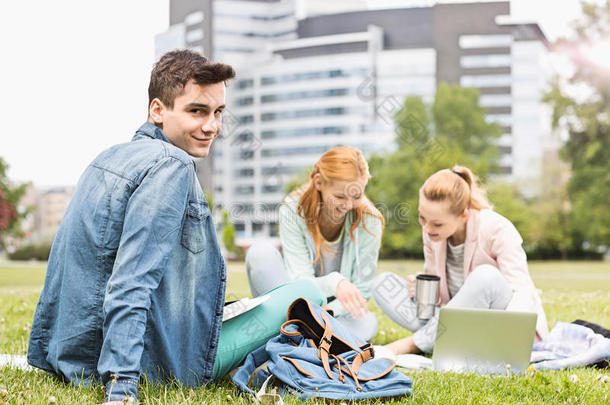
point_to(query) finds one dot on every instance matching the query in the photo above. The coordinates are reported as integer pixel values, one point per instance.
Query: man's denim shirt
(135, 282)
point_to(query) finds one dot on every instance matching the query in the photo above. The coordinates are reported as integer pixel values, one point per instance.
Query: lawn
(570, 290)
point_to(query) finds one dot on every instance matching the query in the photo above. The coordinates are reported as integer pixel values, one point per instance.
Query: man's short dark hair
(171, 73)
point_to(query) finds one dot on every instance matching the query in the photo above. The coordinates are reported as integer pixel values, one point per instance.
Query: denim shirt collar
(149, 130)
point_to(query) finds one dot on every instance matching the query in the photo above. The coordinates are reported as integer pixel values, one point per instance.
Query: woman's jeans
(485, 287)
(266, 271)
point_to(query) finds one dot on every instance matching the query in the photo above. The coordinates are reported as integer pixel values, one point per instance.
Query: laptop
(484, 340)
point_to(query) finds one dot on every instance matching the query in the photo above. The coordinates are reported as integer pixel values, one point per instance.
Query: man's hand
(351, 299)
(411, 285)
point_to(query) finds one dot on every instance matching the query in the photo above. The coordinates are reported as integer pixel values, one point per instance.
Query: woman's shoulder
(490, 217)
(493, 224)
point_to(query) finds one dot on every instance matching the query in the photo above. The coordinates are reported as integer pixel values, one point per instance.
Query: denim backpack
(315, 356)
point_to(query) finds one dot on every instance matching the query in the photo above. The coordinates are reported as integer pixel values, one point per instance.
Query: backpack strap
(350, 370)
(324, 346)
(362, 357)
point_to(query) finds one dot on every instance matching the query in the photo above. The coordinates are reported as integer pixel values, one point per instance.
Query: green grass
(570, 290)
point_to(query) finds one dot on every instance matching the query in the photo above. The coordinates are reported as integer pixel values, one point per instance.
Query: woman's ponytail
(458, 185)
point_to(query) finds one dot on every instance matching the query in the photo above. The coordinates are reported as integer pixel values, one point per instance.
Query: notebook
(235, 308)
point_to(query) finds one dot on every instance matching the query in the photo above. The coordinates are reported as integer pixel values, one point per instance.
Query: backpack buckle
(325, 343)
(370, 348)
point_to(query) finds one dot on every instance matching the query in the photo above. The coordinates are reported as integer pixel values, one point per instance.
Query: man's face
(195, 121)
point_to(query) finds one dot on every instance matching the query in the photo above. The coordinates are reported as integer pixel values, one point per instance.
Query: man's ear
(156, 111)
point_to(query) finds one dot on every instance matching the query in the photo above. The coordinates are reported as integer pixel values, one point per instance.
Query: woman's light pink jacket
(491, 239)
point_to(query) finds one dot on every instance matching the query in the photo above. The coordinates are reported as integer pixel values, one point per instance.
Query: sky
(74, 76)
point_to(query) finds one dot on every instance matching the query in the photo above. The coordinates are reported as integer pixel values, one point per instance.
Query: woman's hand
(351, 299)
(411, 285)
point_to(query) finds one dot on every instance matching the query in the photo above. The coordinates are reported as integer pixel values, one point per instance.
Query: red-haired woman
(330, 233)
(475, 251)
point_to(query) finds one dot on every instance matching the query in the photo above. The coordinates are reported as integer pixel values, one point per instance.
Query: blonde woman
(330, 233)
(475, 251)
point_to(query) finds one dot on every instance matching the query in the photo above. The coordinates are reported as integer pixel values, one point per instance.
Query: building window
(281, 169)
(495, 100)
(194, 35)
(485, 81)
(254, 17)
(504, 120)
(244, 101)
(237, 50)
(270, 207)
(245, 84)
(271, 17)
(244, 172)
(194, 18)
(277, 188)
(308, 76)
(505, 150)
(266, 35)
(308, 150)
(318, 112)
(296, 132)
(244, 154)
(244, 190)
(246, 119)
(242, 208)
(271, 98)
(485, 61)
(485, 41)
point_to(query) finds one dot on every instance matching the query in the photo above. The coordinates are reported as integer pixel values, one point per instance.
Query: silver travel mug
(426, 295)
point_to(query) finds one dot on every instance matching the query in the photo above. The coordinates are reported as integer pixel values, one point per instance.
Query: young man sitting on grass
(135, 282)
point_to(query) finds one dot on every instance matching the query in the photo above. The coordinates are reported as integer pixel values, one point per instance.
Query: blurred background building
(46, 206)
(311, 76)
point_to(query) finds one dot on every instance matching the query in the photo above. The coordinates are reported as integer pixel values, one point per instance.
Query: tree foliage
(451, 131)
(10, 215)
(228, 235)
(585, 114)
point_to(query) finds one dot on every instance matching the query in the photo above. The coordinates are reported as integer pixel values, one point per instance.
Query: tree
(228, 235)
(451, 131)
(10, 215)
(586, 117)
(297, 180)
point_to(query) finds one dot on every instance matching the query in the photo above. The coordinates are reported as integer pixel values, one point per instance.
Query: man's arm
(151, 228)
